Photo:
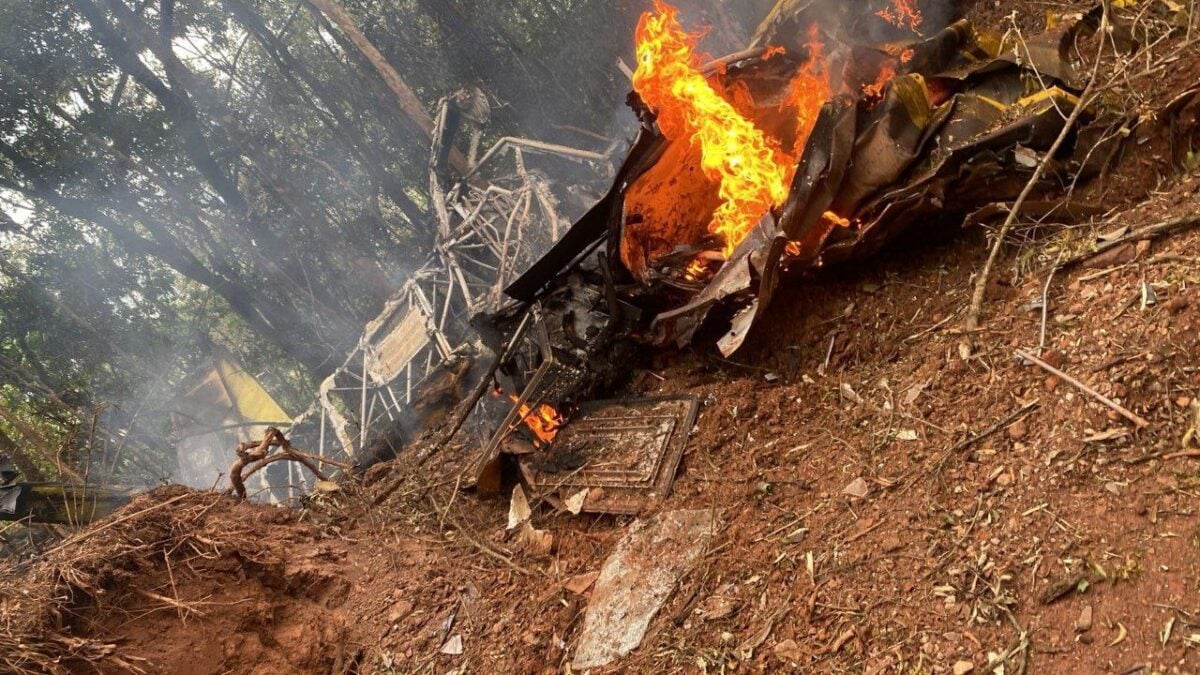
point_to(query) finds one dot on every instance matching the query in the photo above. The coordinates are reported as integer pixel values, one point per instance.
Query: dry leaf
(518, 509)
(453, 646)
(849, 394)
(575, 502)
(580, 583)
(1121, 633)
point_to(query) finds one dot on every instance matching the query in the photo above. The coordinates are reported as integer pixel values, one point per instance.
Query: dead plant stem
(1118, 408)
(976, 307)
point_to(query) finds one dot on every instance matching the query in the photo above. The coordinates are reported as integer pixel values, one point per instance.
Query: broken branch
(1121, 410)
(1084, 101)
(254, 456)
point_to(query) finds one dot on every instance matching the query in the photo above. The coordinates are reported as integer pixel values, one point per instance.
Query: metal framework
(489, 231)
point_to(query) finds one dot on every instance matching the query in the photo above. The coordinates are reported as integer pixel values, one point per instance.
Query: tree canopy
(180, 176)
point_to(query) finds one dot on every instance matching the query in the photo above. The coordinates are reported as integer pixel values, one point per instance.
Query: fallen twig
(1156, 231)
(968, 442)
(1118, 408)
(1085, 99)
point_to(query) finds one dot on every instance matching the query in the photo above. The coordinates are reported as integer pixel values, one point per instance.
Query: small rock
(963, 667)
(1053, 357)
(857, 488)
(788, 649)
(401, 609)
(1084, 623)
(1113, 488)
(1051, 383)
(1018, 430)
(1176, 305)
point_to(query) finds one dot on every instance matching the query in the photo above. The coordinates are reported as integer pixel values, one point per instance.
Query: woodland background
(184, 178)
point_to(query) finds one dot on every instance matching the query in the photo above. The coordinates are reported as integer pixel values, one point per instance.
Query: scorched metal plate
(624, 452)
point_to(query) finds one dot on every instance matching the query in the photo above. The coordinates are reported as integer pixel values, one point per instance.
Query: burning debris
(416, 360)
(795, 155)
(809, 149)
(614, 456)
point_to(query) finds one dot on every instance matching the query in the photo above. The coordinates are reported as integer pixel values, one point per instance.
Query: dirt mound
(183, 582)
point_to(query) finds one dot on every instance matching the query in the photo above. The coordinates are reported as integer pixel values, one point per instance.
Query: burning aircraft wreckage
(808, 149)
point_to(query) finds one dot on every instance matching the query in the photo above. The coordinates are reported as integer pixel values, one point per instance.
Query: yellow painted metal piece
(247, 396)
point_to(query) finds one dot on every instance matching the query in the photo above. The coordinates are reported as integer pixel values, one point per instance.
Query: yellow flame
(753, 175)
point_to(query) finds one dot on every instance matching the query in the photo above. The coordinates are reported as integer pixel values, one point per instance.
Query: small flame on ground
(902, 14)
(544, 421)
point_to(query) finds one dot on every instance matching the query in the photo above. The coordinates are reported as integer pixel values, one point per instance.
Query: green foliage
(179, 177)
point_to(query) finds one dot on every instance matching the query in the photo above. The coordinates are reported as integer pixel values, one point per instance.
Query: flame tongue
(902, 14)
(544, 421)
(753, 174)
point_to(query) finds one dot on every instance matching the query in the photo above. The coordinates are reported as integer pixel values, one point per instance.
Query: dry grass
(91, 571)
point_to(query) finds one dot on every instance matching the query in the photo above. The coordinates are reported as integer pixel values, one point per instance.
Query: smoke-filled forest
(184, 179)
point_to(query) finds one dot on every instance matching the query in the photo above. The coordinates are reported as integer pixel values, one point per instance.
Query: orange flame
(544, 422)
(794, 248)
(874, 90)
(836, 219)
(808, 91)
(902, 14)
(753, 174)
(696, 270)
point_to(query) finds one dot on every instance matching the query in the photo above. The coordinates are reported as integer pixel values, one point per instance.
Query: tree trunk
(29, 470)
(341, 127)
(408, 100)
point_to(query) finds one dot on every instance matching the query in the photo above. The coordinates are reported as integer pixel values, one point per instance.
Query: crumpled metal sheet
(636, 580)
(954, 132)
(623, 454)
(895, 164)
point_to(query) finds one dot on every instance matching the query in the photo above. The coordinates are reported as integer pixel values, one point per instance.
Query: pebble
(857, 488)
(1084, 623)
(963, 667)
(1018, 430)
(1053, 357)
